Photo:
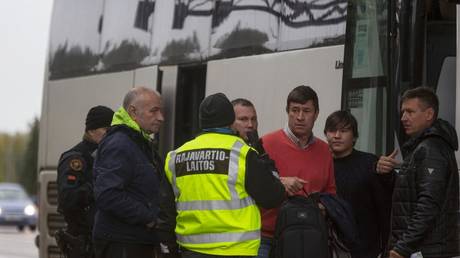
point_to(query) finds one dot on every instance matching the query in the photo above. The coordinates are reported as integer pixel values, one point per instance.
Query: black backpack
(301, 230)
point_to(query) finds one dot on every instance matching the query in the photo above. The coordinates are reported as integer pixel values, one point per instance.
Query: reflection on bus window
(367, 106)
(369, 48)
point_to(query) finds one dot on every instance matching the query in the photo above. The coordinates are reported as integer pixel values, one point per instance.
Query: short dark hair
(301, 94)
(242, 102)
(341, 119)
(425, 95)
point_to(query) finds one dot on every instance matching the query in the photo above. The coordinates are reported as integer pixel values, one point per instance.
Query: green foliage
(18, 157)
(11, 148)
(28, 166)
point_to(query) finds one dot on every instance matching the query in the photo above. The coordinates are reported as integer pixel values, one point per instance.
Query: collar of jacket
(122, 117)
(92, 146)
(224, 130)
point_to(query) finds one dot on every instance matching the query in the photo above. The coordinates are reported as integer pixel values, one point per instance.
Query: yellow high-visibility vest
(215, 213)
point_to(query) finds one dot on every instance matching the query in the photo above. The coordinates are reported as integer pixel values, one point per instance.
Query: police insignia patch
(76, 164)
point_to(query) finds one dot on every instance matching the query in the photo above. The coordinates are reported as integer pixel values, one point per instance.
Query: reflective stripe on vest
(172, 168)
(233, 204)
(233, 169)
(220, 237)
(216, 215)
(215, 205)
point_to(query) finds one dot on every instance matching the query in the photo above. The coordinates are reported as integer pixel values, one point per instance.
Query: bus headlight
(29, 210)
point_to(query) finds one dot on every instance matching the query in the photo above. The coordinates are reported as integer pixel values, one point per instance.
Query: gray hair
(134, 94)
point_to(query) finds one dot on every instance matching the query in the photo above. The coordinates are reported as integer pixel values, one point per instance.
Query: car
(16, 208)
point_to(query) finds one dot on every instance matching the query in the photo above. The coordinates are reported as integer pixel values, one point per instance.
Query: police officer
(75, 187)
(218, 182)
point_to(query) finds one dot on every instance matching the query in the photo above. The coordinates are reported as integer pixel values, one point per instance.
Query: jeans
(265, 247)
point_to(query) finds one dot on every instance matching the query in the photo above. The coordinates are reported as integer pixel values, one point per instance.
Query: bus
(357, 54)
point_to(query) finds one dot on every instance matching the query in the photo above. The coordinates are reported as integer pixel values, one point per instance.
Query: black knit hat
(98, 117)
(216, 111)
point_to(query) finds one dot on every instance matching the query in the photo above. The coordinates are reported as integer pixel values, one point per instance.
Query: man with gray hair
(127, 179)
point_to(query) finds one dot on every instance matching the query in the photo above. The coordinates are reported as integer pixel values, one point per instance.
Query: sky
(24, 42)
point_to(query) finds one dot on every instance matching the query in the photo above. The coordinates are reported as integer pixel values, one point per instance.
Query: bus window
(365, 74)
(74, 42)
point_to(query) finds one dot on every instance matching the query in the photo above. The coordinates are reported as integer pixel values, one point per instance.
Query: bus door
(366, 82)
(183, 89)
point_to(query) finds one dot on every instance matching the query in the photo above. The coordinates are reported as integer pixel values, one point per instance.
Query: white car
(16, 208)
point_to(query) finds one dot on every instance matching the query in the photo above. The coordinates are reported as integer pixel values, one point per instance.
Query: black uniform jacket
(75, 187)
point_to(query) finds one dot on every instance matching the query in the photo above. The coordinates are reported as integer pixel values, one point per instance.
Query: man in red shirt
(304, 162)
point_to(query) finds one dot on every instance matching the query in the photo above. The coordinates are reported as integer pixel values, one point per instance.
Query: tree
(28, 163)
(11, 152)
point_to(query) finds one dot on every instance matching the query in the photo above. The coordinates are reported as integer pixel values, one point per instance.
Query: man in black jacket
(75, 186)
(426, 191)
(128, 180)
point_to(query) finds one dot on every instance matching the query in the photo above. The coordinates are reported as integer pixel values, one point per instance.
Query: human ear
(429, 115)
(131, 111)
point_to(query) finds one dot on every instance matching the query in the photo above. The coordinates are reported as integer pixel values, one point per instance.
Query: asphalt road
(15, 244)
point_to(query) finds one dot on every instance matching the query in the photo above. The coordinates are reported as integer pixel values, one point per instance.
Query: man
(245, 126)
(245, 118)
(75, 186)
(127, 178)
(303, 161)
(359, 185)
(425, 196)
(218, 182)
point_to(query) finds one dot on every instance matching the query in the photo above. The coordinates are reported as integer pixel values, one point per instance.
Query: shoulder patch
(76, 164)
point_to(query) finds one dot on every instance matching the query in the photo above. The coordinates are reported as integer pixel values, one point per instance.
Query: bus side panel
(168, 94)
(266, 80)
(67, 103)
(146, 76)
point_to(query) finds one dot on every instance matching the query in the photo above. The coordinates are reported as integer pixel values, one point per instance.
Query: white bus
(356, 54)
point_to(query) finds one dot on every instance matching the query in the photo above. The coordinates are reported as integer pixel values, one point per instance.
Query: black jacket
(369, 195)
(126, 186)
(426, 195)
(75, 188)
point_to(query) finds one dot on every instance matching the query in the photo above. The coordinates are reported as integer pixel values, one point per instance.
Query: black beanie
(216, 111)
(98, 117)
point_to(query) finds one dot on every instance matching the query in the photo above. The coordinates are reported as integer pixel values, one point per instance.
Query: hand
(394, 254)
(169, 250)
(322, 209)
(387, 163)
(151, 224)
(292, 184)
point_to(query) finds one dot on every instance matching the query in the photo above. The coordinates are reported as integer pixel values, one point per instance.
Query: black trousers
(109, 249)
(190, 254)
